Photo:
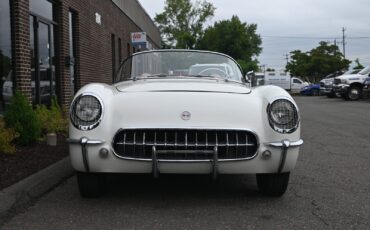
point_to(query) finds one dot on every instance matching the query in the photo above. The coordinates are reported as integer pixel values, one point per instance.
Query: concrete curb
(34, 186)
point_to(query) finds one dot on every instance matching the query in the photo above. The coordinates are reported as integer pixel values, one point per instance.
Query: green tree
(182, 23)
(317, 63)
(358, 64)
(237, 39)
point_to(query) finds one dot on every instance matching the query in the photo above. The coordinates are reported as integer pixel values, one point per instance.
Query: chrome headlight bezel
(284, 127)
(86, 125)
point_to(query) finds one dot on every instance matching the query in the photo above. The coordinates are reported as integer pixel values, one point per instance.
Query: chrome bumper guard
(214, 160)
(85, 142)
(341, 88)
(285, 145)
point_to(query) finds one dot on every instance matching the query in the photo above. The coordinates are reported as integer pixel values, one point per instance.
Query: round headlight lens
(283, 116)
(86, 112)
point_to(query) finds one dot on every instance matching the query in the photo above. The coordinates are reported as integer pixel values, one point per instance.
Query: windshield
(354, 71)
(178, 63)
(365, 71)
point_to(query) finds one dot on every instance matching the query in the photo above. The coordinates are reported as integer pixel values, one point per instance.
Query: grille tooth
(180, 144)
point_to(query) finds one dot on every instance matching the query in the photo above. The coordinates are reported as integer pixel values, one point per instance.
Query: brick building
(54, 47)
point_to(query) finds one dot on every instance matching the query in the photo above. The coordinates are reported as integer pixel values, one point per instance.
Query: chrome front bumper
(341, 88)
(326, 90)
(283, 145)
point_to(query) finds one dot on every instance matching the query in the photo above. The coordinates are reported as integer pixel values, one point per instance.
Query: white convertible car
(159, 117)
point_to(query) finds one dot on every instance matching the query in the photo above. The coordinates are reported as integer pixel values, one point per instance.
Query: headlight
(283, 116)
(86, 112)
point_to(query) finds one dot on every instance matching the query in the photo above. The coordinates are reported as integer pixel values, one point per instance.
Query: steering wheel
(213, 71)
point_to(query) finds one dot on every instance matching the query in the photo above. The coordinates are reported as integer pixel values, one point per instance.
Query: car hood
(350, 76)
(182, 85)
(326, 80)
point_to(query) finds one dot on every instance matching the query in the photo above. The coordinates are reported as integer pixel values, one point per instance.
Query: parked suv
(350, 87)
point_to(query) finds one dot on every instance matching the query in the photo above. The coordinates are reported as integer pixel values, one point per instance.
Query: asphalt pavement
(329, 189)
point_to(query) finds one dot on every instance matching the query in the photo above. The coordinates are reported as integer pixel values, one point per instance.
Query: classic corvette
(183, 112)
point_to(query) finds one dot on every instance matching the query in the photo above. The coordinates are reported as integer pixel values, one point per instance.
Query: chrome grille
(185, 144)
(337, 81)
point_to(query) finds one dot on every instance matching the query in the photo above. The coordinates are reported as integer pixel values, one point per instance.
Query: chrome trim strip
(86, 141)
(281, 144)
(215, 164)
(188, 145)
(187, 161)
(155, 169)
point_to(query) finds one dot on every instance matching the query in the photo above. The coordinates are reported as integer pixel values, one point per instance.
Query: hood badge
(185, 115)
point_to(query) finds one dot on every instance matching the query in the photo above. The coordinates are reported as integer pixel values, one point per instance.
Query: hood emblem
(185, 115)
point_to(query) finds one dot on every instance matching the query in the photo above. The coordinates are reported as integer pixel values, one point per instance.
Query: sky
(287, 25)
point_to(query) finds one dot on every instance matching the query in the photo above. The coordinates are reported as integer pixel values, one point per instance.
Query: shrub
(44, 116)
(59, 123)
(7, 136)
(22, 118)
(52, 120)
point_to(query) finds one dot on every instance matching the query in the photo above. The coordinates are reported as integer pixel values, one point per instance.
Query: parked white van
(285, 81)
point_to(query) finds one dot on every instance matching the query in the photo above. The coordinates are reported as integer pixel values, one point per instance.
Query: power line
(313, 38)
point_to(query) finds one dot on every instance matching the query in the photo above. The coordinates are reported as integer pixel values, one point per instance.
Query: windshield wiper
(160, 75)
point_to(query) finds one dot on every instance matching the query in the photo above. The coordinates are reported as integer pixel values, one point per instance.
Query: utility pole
(287, 58)
(263, 68)
(344, 41)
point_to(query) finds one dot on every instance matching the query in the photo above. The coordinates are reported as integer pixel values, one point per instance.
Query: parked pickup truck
(326, 84)
(350, 87)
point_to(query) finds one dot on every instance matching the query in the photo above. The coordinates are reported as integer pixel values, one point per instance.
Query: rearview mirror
(252, 80)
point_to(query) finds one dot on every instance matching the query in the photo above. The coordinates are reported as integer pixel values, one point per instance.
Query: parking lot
(330, 188)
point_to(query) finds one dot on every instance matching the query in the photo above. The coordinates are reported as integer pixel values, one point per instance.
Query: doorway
(42, 60)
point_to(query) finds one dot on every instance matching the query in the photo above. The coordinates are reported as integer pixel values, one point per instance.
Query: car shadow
(175, 186)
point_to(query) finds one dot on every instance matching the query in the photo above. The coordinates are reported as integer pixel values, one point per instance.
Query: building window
(71, 60)
(42, 8)
(42, 29)
(113, 41)
(6, 79)
(119, 50)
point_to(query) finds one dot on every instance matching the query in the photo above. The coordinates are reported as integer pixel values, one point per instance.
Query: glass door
(42, 59)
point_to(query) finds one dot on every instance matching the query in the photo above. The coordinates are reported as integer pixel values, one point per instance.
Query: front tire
(273, 184)
(91, 185)
(354, 93)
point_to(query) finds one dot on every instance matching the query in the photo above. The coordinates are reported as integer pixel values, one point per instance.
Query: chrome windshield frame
(117, 79)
